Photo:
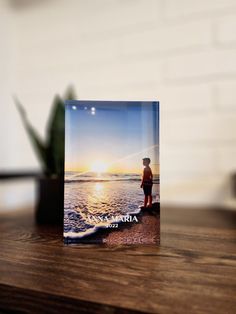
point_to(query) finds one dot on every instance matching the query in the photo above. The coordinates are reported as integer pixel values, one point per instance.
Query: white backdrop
(182, 53)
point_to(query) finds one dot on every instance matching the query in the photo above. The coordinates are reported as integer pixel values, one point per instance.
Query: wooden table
(194, 270)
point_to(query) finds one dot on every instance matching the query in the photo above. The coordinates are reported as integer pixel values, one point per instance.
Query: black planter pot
(50, 201)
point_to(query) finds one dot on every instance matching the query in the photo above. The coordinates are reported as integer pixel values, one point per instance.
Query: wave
(106, 180)
(99, 180)
(71, 232)
(106, 177)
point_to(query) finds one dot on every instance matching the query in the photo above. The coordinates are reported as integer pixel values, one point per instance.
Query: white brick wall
(226, 30)
(190, 8)
(225, 95)
(204, 65)
(180, 52)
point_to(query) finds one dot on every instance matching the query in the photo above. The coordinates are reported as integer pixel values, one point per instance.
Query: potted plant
(50, 152)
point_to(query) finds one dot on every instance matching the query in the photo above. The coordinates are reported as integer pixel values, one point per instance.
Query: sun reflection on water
(98, 186)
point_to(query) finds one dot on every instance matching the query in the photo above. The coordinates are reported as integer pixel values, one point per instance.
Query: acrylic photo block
(112, 185)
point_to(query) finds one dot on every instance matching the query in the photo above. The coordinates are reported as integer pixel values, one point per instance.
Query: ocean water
(104, 195)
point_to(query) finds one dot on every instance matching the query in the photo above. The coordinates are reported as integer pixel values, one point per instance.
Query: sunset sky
(111, 136)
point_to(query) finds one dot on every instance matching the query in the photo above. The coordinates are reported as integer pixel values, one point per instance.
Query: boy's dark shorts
(147, 189)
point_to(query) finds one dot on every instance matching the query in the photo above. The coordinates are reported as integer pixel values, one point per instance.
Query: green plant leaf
(56, 132)
(35, 139)
(70, 93)
(51, 153)
(56, 136)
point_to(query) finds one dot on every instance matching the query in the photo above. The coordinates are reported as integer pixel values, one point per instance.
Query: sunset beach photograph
(112, 184)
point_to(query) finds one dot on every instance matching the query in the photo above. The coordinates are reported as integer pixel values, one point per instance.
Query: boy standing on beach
(147, 183)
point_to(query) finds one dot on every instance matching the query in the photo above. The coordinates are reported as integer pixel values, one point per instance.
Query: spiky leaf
(39, 147)
(70, 93)
(56, 137)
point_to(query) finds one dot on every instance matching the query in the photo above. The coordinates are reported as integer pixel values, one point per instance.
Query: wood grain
(192, 272)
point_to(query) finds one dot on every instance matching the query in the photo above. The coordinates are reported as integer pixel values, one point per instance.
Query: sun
(99, 167)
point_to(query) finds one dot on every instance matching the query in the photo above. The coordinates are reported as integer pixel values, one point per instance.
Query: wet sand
(145, 231)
